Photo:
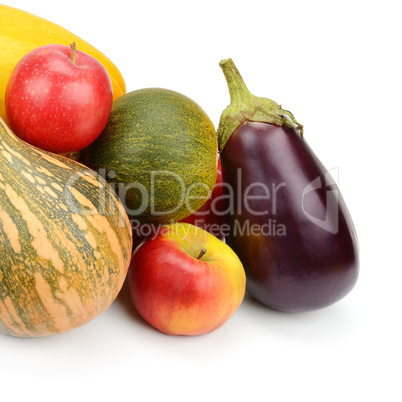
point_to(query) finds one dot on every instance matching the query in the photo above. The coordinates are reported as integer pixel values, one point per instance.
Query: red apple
(185, 281)
(58, 98)
(211, 216)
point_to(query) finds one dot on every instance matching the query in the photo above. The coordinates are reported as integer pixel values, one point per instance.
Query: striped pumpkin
(65, 241)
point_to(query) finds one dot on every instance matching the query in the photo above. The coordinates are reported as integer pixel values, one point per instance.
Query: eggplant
(289, 223)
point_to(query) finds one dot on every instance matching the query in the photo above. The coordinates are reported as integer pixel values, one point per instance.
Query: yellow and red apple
(185, 281)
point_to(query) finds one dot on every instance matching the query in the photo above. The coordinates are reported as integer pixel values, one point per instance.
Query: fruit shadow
(123, 299)
(323, 323)
(186, 347)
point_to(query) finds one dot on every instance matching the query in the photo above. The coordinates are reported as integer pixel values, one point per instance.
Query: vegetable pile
(99, 186)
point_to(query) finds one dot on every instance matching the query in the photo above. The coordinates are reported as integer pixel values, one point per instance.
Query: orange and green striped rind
(65, 241)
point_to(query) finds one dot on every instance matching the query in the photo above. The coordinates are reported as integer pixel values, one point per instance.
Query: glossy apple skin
(211, 216)
(310, 259)
(56, 104)
(178, 293)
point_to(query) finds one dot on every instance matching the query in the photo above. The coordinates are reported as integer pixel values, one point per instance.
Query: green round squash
(159, 151)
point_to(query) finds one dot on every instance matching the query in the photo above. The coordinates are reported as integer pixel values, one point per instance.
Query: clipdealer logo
(256, 198)
(331, 221)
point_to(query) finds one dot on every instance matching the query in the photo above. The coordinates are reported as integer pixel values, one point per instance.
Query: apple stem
(73, 51)
(202, 253)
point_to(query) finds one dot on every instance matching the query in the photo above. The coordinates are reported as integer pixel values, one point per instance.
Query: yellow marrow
(21, 32)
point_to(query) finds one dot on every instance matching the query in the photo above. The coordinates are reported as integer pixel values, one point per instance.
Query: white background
(337, 67)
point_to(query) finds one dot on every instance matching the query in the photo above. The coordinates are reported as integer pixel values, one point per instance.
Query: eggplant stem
(244, 106)
(237, 88)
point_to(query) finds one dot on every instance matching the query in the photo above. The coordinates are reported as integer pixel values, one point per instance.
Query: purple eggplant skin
(295, 238)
